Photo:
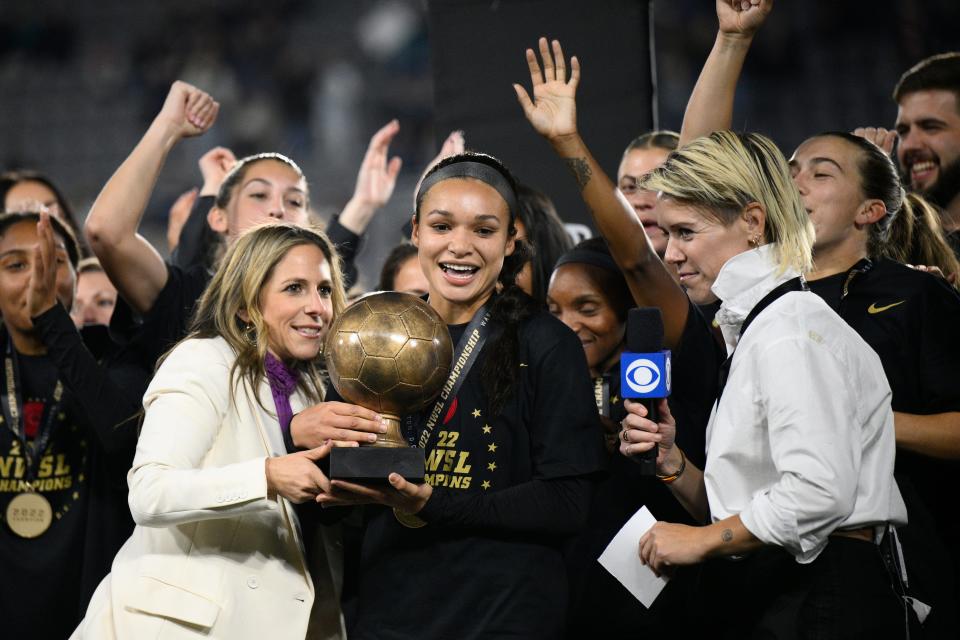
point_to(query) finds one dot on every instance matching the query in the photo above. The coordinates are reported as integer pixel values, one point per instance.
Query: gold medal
(29, 515)
(408, 520)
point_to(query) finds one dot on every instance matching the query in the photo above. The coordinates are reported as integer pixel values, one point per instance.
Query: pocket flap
(153, 596)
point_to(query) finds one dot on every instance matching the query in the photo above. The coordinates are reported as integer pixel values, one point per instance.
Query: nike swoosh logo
(873, 308)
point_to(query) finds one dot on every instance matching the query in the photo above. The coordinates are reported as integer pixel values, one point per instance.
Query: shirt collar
(742, 282)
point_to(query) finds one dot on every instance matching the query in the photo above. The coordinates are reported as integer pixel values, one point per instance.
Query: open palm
(553, 109)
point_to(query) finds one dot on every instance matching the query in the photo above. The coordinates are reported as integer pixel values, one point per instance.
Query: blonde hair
(916, 237)
(724, 172)
(237, 286)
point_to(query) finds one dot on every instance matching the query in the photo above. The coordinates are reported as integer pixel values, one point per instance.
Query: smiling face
(269, 191)
(826, 174)
(462, 236)
(296, 303)
(698, 245)
(633, 167)
(16, 265)
(928, 123)
(95, 300)
(576, 296)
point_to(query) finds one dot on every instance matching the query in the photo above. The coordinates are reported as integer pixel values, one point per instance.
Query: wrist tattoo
(726, 535)
(581, 170)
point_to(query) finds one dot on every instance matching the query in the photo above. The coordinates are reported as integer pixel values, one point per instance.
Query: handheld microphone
(645, 370)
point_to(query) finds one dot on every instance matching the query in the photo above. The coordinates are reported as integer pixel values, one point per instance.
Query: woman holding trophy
(510, 448)
(218, 550)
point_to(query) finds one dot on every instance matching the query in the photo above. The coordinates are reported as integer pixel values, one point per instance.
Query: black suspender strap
(794, 284)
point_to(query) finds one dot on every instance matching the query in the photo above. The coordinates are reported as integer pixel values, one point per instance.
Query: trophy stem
(393, 438)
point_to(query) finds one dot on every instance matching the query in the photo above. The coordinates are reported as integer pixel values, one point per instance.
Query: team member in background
(66, 437)
(540, 227)
(644, 154)
(589, 294)
(258, 188)
(96, 296)
(624, 222)
(401, 271)
(26, 190)
(483, 535)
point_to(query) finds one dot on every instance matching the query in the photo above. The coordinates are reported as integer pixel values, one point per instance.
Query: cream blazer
(211, 556)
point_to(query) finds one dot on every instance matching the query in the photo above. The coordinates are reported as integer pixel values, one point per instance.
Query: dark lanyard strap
(794, 284)
(601, 394)
(468, 348)
(12, 404)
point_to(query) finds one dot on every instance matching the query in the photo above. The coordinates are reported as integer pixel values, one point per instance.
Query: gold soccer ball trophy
(389, 352)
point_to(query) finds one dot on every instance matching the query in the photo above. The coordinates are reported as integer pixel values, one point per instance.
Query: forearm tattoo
(726, 535)
(581, 170)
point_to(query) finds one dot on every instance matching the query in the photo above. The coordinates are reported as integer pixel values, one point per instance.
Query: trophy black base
(373, 464)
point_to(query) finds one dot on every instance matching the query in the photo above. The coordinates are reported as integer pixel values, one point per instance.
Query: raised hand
(343, 424)
(742, 18)
(188, 111)
(296, 476)
(883, 138)
(42, 291)
(377, 177)
(214, 167)
(553, 109)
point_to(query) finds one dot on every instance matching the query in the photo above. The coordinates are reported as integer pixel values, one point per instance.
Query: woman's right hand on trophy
(342, 424)
(296, 476)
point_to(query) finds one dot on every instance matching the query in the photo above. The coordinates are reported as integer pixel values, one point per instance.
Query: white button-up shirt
(801, 442)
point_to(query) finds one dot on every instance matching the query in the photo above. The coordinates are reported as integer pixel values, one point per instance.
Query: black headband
(478, 171)
(585, 256)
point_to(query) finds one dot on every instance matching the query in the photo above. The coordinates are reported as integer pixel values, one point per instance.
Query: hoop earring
(250, 332)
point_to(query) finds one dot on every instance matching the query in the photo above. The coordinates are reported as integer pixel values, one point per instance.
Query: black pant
(845, 593)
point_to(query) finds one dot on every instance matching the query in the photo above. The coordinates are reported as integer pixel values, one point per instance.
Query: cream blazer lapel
(273, 446)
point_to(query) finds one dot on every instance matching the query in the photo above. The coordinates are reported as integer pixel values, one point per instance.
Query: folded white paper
(621, 558)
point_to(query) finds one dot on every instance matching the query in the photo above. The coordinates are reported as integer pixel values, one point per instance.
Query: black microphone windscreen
(644, 330)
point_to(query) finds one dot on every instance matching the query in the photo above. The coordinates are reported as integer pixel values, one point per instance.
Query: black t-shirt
(47, 581)
(479, 569)
(167, 321)
(953, 239)
(598, 601)
(39, 592)
(912, 320)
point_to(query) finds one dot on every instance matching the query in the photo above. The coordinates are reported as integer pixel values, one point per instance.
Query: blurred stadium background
(79, 82)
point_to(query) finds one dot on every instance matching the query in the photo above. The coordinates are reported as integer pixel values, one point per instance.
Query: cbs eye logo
(642, 375)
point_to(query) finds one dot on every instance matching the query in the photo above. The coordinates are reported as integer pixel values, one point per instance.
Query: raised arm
(553, 114)
(711, 104)
(131, 263)
(109, 395)
(375, 180)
